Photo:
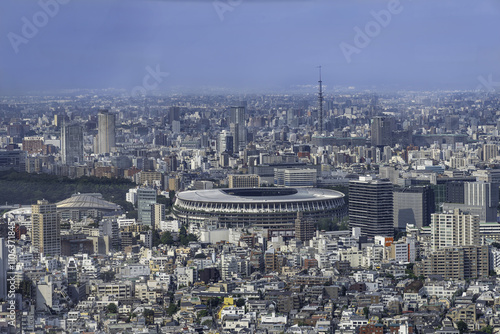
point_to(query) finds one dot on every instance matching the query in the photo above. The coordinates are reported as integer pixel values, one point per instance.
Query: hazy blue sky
(257, 45)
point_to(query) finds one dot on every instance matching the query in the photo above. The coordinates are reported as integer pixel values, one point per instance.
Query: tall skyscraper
(171, 161)
(235, 134)
(106, 132)
(320, 103)
(71, 144)
(45, 230)
(225, 142)
(291, 117)
(237, 122)
(371, 206)
(237, 115)
(413, 205)
(454, 229)
(173, 115)
(146, 198)
(381, 129)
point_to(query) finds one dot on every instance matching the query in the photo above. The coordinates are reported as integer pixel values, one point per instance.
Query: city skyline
(250, 166)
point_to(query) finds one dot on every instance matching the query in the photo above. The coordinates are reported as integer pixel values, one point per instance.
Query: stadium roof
(259, 195)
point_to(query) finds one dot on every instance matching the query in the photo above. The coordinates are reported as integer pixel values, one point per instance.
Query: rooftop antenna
(320, 100)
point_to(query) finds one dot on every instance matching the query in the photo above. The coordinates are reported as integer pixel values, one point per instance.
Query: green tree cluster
(332, 225)
(132, 214)
(202, 313)
(462, 326)
(25, 188)
(172, 309)
(366, 312)
(487, 329)
(186, 238)
(166, 238)
(149, 316)
(112, 308)
(409, 271)
(160, 199)
(207, 323)
(214, 302)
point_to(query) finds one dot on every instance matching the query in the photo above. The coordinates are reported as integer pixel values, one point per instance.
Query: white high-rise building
(225, 142)
(106, 139)
(238, 128)
(490, 152)
(131, 196)
(295, 177)
(454, 229)
(229, 266)
(495, 259)
(481, 194)
(45, 230)
(158, 214)
(176, 126)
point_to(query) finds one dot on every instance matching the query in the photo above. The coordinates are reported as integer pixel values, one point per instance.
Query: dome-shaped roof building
(79, 206)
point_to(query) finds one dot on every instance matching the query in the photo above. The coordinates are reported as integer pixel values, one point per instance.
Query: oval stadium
(262, 207)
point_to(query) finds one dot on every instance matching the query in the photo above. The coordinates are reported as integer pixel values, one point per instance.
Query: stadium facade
(260, 207)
